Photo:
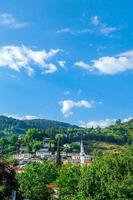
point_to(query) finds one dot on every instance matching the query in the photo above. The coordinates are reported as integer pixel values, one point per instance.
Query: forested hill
(120, 133)
(10, 125)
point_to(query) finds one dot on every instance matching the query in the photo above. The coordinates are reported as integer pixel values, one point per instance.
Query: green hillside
(120, 133)
(10, 125)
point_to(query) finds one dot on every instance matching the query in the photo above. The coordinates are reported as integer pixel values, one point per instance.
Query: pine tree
(58, 156)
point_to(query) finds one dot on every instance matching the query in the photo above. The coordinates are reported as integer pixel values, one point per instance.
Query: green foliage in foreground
(108, 177)
(68, 179)
(33, 182)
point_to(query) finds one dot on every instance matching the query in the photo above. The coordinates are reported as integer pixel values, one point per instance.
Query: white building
(23, 156)
(84, 158)
(43, 153)
(76, 158)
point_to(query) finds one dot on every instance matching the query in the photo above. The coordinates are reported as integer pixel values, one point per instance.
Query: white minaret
(82, 152)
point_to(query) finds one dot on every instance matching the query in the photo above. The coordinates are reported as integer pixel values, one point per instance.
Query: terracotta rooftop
(52, 186)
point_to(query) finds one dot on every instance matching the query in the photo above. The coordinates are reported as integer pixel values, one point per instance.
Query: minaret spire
(82, 152)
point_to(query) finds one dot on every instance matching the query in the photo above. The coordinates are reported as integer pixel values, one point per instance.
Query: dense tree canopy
(109, 177)
(33, 182)
(68, 180)
(9, 125)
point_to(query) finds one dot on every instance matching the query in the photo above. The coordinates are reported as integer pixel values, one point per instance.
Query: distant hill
(10, 125)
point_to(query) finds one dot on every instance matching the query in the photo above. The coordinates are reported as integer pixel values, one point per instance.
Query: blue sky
(67, 60)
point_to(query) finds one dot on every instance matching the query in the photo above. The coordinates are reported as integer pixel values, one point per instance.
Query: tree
(12, 143)
(10, 160)
(2, 143)
(7, 180)
(31, 139)
(68, 180)
(33, 182)
(96, 153)
(12, 139)
(118, 122)
(75, 147)
(58, 155)
(109, 177)
(49, 171)
(36, 145)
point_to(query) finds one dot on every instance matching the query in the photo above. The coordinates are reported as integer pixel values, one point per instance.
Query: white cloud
(67, 92)
(12, 76)
(83, 65)
(8, 20)
(95, 20)
(22, 57)
(51, 68)
(64, 30)
(102, 123)
(24, 117)
(110, 64)
(68, 105)
(105, 30)
(62, 63)
(98, 27)
(127, 119)
(101, 27)
(73, 32)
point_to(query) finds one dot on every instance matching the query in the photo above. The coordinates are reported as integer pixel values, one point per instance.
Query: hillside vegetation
(95, 139)
(10, 125)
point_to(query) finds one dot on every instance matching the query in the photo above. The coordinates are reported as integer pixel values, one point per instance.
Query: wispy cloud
(67, 92)
(22, 57)
(73, 32)
(96, 27)
(68, 105)
(62, 63)
(95, 20)
(102, 28)
(64, 30)
(9, 21)
(110, 64)
(83, 65)
(23, 117)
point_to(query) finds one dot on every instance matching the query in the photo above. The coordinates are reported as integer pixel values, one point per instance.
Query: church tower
(82, 152)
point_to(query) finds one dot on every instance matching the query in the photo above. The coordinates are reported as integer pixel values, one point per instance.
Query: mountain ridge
(9, 125)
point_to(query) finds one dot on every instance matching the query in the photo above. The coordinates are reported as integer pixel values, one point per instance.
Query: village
(46, 153)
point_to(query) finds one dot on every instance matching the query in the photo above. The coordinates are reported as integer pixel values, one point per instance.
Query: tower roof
(82, 152)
